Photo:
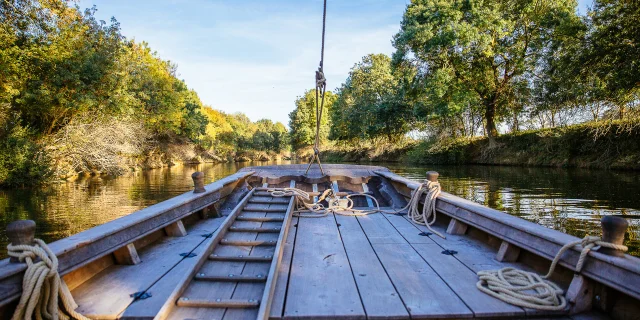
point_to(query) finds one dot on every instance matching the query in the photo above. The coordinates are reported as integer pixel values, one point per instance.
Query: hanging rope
(42, 286)
(429, 191)
(530, 290)
(321, 87)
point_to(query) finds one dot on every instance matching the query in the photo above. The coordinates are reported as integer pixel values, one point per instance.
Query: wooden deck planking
(118, 282)
(321, 284)
(378, 295)
(253, 291)
(424, 293)
(160, 291)
(458, 276)
(216, 290)
(379, 230)
(479, 256)
(277, 307)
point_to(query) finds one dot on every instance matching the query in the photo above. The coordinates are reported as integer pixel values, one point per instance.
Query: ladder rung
(274, 201)
(231, 277)
(217, 257)
(259, 209)
(263, 230)
(260, 219)
(248, 242)
(218, 303)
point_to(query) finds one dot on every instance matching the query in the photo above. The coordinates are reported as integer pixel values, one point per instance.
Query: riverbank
(590, 145)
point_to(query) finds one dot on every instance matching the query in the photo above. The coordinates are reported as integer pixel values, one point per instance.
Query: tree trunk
(490, 124)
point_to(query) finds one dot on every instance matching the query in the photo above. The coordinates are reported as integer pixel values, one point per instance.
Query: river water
(569, 200)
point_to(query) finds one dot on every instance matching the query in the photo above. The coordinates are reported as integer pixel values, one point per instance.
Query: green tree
(372, 95)
(302, 120)
(477, 51)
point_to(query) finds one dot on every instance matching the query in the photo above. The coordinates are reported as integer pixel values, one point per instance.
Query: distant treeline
(76, 95)
(463, 69)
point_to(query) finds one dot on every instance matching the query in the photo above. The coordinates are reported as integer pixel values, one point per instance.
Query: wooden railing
(621, 273)
(85, 247)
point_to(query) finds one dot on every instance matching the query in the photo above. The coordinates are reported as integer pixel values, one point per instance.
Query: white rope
(431, 190)
(42, 286)
(530, 290)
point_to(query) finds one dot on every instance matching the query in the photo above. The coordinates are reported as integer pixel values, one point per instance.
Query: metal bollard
(613, 230)
(21, 232)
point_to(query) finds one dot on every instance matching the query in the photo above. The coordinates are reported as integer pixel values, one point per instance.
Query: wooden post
(198, 182)
(507, 252)
(127, 255)
(613, 231)
(21, 232)
(580, 294)
(457, 227)
(176, 229)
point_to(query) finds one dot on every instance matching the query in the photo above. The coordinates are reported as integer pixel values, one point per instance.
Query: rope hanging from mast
(321, 87)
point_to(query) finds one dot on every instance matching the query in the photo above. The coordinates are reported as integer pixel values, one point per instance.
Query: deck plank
(321, 284)
(160, 291)
(478, 256)
(277, 307)
(254, 290)
(216, 290)
(459, 277)
(424, 293)
(119, 281)
(379, 297)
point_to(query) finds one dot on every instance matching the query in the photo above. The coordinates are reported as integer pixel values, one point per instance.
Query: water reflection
(61, 210)
(569, 200)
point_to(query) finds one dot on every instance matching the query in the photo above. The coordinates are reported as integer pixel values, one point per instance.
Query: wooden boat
(231, 250)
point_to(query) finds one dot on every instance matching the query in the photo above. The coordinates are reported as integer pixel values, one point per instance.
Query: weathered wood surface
(379, 296)
(108, 293)
(185, 279)
(621, 273)
(82, 248)
(321, 283)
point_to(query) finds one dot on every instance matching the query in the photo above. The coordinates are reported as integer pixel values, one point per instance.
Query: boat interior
(236, 251)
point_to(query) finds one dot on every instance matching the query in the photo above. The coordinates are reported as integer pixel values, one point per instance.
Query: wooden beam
(507, 252)
(176, 229)
(456, 227)
(580, 294)
(127, 255)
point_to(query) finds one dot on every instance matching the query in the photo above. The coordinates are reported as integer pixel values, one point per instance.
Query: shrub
(23, 161)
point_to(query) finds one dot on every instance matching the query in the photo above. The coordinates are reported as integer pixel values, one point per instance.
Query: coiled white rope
(430, 189)
(530, 290)
(42, 286)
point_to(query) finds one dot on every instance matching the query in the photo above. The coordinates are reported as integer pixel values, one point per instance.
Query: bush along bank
(612, 145)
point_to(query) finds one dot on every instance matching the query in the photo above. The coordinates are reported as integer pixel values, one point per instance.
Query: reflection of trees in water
(569, 200)
(61, 210)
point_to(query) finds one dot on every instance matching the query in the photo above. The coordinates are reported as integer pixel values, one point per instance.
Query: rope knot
(41, 285)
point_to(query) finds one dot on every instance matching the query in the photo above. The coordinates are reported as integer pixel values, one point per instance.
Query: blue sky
(257, 56)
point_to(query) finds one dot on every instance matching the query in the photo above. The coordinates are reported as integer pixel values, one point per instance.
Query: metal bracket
(207, 235)
(425, 234)
(188, 254)
(449, 252)
(140, 295)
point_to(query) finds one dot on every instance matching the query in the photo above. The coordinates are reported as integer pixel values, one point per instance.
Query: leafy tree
(302, 120)
(477, 51)
(613, 45)
(373, 96)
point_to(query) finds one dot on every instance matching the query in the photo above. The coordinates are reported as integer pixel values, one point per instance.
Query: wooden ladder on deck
(236, 277)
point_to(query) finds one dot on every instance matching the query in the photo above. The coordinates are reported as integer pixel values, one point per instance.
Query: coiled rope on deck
(427, 217)
(42, 286)
(530, 290)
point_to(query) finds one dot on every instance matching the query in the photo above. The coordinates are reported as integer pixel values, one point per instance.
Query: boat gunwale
(64, 248)
(599, 267)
